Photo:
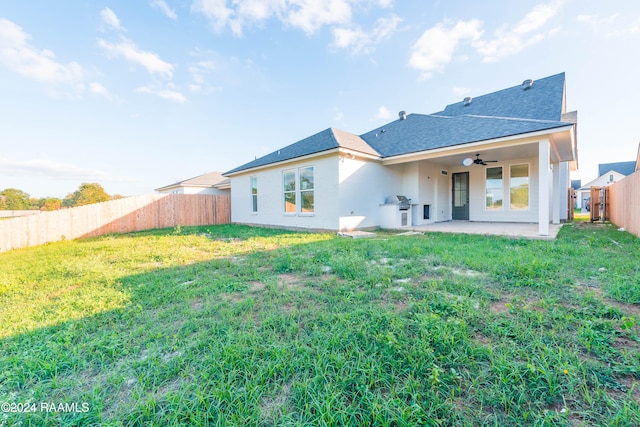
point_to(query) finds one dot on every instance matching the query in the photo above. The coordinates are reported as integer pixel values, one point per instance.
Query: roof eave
(281, 162)
(336, 150)
(464, 147)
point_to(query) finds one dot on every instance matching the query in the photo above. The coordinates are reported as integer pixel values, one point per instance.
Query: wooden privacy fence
(624, 202)
(117, 216)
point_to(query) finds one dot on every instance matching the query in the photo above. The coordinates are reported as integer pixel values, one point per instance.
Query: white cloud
(306, 15)
(162, 5)
(19, 56)
(48, 168)
(169, 94)
(129, 51)
(215, 10)
(383, 113)
(527, 32)
(610, 26)
(310, 15)
(359, 41)
(98, 89)
(435, 48)
(110, 18)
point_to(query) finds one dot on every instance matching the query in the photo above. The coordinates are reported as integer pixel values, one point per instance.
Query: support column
(543, 187)
(555, 213)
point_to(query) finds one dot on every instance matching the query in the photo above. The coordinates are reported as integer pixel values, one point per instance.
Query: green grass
(240, 326)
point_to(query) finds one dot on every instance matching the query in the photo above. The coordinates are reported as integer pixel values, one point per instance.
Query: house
(502, 157)
(608, 173)
(209, 183)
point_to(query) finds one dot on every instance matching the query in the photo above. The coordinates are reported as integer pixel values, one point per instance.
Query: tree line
(86, 194)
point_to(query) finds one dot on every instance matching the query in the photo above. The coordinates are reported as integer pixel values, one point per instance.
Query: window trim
(312, 190)
(528, 208)
(298, 191)
(254, 196)
(285, 192)
(486, 188)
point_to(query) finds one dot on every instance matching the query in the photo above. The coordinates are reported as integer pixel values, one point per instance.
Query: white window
(306, 190)
(254, 194)
(495, 188)
(519, 187)
(298, 188)
(289, 190)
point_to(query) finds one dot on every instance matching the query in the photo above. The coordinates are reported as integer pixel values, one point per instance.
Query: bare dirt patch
(270, 406)
(63, 291)
(499, 307)
(291, 281)
(257, 286)
(482, 339)
(197, 304)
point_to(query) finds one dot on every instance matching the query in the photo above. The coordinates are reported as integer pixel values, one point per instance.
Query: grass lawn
(239, 326)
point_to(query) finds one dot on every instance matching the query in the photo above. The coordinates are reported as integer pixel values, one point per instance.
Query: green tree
(15, 200)
(86, 194)
(49, 204)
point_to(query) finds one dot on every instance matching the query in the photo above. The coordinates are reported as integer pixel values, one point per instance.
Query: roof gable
(624, 168)
(322, 141)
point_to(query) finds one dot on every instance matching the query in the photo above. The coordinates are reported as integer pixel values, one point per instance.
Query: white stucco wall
(364, 186)
(349, 193)
(271, 198)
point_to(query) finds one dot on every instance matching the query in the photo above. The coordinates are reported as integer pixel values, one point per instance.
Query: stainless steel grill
(402, 201)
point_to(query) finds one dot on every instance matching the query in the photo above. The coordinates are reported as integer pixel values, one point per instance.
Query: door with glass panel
(460, 199)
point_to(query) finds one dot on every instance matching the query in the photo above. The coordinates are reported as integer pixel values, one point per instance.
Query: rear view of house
(500, 157)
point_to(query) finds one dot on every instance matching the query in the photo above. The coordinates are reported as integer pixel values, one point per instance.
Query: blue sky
(137, 95)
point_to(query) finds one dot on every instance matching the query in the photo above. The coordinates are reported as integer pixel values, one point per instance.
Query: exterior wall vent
(527, 84)
(467, 101)
(402, 115)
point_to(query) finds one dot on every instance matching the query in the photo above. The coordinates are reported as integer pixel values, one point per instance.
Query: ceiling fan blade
(490, 161)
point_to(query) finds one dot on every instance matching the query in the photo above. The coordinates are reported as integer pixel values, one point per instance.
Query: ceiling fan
(478, 161)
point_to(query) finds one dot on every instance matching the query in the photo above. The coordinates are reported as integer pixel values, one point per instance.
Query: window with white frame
(306, 190)
(298, 188)
(254, 194)
(494, 188)
(519, 187)
(289, 191)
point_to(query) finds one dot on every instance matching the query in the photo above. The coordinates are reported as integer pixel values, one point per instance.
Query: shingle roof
(625, 168)
(542, 101)
(421, 132)
(508, 112)
(322, 141)
(206, 180)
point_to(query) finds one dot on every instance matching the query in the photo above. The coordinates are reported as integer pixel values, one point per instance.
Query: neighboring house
(336, 180)
(608, 173)
(209, 183)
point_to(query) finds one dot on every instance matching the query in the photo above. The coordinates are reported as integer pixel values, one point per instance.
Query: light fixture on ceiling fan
(478, 161)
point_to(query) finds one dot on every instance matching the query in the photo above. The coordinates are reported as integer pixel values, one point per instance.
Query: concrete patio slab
(507, 229)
